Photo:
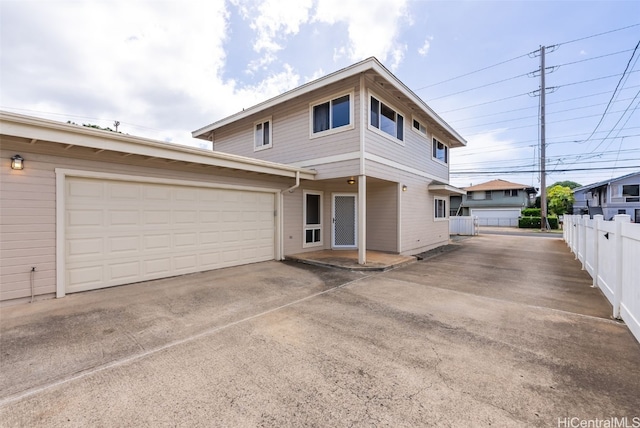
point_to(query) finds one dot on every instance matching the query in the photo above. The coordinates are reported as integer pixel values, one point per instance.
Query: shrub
(531, 212)
(534, 222)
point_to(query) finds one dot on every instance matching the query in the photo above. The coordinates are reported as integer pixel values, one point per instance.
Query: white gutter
(281, 214)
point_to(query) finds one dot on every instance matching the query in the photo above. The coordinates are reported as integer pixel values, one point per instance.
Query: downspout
(281, 212)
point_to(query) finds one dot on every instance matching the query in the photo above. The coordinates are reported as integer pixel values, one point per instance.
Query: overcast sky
(166, 68)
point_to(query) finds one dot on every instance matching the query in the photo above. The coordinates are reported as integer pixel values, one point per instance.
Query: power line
(536, 107)
(480, 87)
(615, 91)
(487, 102)
(590, 59)
(537, 170)
(599, 34)
(472, 72)
(535, 116)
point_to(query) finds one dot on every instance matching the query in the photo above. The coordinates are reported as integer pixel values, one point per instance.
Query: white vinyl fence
(463, 225)
(610, 252)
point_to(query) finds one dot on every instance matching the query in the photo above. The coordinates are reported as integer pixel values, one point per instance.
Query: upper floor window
(511, 192)
(331, 114)
(262, 135)
(386, 119)
(419, 127)
(440, 151)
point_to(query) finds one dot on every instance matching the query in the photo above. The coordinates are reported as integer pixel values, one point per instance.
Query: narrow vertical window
(312, 219)
(262, 135)
(440, 151)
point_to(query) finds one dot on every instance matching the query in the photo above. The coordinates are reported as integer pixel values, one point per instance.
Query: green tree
(560, 200)
(570, 184)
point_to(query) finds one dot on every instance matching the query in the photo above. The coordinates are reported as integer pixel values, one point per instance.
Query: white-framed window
(440, 151)
(511, 192)
(631, 192)
(331, 115)
(439, 209)
(385, 119)
(419, 127)
(262, 135)
(312, 219)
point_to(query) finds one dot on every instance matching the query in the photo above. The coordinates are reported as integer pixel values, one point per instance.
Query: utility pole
(543, 160)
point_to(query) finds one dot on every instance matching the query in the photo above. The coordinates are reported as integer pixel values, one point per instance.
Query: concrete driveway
(502, 331)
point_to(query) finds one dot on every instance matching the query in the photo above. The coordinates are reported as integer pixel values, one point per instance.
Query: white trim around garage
(62, 175)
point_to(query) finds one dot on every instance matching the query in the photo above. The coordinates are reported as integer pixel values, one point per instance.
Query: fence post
(583, 241)
(597, 220)
(617, 287)
(576, 229)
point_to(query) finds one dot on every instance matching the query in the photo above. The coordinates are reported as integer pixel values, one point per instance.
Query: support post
(597, 223)
(617, 286)
(362, 219)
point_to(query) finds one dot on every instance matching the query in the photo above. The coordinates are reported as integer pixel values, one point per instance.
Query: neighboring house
(380, 153)
(610, 197)
(495, 203)
(354, 160)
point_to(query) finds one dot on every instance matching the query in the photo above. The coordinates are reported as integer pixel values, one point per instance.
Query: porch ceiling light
(17, 162)
(404, 187)
(351, 180)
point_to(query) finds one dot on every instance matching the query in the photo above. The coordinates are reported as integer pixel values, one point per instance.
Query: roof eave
(74, 135)
(361, 67)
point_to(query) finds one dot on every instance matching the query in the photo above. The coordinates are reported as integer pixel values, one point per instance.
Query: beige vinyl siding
(28, 200)
(415, 150)
(382, 214)
(336, 169)
(290, 128)
(419, 230)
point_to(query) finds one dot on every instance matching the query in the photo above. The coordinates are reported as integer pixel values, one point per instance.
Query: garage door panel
(84, 218)
(124, 191)
(121, 245)
(124, 218)
(129, 270)
(85, 247)
(133, 231)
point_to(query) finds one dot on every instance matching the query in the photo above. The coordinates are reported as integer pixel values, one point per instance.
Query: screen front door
(345, 221)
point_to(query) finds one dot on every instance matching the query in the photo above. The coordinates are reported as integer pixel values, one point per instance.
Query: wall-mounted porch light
(17, 162)
(351, 180)
(404, 187)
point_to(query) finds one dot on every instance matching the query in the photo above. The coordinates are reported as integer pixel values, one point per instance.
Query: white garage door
(123, 232)
(497, 217)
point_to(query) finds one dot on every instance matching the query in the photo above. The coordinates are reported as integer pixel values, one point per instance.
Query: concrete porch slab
(348, 259)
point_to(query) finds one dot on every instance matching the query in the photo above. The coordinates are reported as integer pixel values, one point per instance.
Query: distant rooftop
(498, 185)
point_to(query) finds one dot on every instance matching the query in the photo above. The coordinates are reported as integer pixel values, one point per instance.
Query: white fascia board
(368, 64)
(458, 141)
(74, 135)
(446, 189)
(329, 79)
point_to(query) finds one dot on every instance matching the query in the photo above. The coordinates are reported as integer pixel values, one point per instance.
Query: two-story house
(619, 195)
(381, 156)
(495, 203)
(354, 160)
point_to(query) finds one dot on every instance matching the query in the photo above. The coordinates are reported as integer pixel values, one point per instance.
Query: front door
(345, 221)
(637, 219)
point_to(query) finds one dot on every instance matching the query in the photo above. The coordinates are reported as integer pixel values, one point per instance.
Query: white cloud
(372, 26)
(424, 50)
(273, 21)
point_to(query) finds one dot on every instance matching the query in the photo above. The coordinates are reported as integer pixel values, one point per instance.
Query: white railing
(610, 252)
(463, 225)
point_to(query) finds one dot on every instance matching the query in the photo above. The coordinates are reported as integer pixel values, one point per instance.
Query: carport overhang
(445, 189)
